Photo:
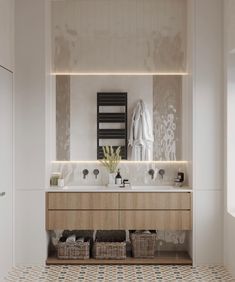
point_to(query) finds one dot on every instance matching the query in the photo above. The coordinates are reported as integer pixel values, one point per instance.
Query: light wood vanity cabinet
(165, 211)
(82, 210)
(155, 201)
(113, 210)
(83, 201)
(155, 219)
(82, 219)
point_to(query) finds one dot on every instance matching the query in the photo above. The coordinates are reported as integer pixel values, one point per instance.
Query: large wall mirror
(76, 113)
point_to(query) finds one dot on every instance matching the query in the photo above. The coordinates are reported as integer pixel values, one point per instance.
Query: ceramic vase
(112, 178)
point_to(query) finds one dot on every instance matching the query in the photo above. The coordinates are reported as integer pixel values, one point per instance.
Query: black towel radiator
(110, 99)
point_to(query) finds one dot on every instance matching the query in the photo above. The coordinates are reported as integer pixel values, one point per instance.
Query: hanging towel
(141, 133)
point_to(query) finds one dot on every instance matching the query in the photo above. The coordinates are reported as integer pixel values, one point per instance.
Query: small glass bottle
(118, 178)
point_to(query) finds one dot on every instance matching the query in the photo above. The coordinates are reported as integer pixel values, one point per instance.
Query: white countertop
(118, 189)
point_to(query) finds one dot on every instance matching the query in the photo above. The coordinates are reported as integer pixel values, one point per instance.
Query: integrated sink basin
(155, 188)
(147, 188)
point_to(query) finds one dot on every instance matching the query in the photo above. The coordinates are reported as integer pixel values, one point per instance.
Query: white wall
(230, 90)
(7, 62)
(6, 168)
(229, 86)
(207, 131)
(7, 34)
(30, 130)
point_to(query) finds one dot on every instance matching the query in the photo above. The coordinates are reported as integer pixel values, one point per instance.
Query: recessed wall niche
(76, 118)
(118, 36)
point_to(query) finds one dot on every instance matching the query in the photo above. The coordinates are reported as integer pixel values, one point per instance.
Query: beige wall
(7, 33)
(119, 36)
(230, 9)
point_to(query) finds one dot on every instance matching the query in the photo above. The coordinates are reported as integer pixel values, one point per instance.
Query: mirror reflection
(153, 124)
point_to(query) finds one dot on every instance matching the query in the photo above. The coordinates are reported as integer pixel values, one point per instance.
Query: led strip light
(119, 73)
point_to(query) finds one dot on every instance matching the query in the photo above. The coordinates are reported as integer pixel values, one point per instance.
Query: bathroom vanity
(137, 208)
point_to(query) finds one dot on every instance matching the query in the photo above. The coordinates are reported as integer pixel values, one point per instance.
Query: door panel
(6, 207)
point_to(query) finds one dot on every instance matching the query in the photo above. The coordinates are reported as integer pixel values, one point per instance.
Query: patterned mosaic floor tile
(118, 273)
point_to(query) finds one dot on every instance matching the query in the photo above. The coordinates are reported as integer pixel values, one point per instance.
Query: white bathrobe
(141, 133)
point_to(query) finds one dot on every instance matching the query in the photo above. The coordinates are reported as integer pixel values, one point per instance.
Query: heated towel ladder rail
(112, 99)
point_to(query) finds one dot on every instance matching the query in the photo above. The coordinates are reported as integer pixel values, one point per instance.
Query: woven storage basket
(143, 245)
(109, 250)
(76, 250)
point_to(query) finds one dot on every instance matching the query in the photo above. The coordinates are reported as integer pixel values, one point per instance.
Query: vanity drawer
(155, 201)
(164, 220)
(82, 201)
(82, 220)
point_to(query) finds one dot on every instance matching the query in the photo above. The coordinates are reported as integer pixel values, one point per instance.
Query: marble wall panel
(119, 36)
(137, 173)
(63, 118)
(167, 116)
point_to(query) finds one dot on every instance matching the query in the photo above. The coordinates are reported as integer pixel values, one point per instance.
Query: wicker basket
(143, 245)
(109, 250)
(76, 250)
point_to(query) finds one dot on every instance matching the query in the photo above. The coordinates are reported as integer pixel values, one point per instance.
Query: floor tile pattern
(118, 273)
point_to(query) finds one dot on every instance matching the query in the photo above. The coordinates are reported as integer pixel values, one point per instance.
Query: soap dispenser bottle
(118, 178)
(179, 180)
(180, 175)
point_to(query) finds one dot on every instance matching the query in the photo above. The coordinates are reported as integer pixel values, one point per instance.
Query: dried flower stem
(111, 158)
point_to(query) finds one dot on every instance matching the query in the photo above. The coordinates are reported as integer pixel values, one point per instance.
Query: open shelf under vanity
(166, 257)
(122, 211)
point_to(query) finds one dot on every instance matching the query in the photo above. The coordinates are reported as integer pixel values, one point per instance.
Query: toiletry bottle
(54, 179)
(118, 178)
(180, 175)
(61, 181)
